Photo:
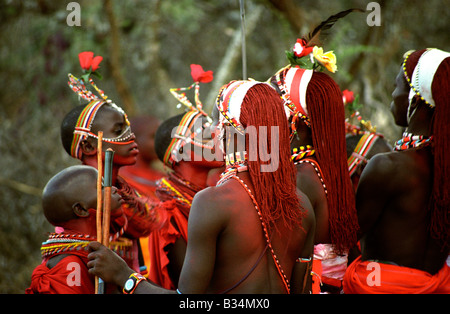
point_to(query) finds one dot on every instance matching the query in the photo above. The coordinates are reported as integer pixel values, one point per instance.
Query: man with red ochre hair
(69, 201)
(403, 197)
(238, 229)
(316, 116)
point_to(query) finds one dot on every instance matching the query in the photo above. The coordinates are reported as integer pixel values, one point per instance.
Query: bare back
(391, 200)
(225, 249)
(308, 182)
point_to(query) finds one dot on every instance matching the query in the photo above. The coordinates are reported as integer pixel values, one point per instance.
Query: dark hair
(68, 126)
(163, 135)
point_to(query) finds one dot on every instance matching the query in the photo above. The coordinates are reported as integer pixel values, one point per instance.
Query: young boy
(69, 201)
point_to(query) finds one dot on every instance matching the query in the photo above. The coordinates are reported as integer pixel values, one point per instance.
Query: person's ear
(80, 211)
(414, 102)
(87, 148)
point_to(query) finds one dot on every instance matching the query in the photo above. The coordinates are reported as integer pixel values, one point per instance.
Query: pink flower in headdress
(300, 49)
(198, 75)
(87, 60)
(348, 97)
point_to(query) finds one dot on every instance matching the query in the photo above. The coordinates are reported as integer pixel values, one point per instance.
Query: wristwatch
(132, 282)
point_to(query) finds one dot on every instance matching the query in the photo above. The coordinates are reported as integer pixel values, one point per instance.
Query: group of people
(262, 196)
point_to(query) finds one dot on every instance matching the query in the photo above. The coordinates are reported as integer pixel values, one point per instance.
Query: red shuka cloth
(395, 279)
(177, 209)
(159, 240)
(63, 278)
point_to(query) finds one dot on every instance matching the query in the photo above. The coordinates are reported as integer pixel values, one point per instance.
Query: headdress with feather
(306, 57)
(191, 124)
(310, 45)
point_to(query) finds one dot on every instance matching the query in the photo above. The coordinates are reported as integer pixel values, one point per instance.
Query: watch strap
(132, 282)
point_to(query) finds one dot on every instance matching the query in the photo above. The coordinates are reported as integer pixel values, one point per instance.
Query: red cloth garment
(160, 240)
(360, 278)
(176, 195)
(69, 276)
(145, 181)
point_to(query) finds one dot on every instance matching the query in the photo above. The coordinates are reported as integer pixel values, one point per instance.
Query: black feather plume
(312, 39)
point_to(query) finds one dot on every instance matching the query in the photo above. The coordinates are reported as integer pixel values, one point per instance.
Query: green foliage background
(158, 40)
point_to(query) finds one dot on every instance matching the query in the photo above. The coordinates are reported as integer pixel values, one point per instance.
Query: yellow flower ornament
(328, 59)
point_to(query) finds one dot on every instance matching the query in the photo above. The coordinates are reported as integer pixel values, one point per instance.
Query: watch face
(129, 284)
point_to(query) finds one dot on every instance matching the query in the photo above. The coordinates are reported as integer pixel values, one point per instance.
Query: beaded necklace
(300, 155)
(412, 141)
(60, 243)
(235, 164)
(179, 189)
(283, 276)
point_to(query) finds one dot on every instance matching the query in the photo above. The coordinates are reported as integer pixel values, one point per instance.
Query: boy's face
(114, 126)
(87, 191)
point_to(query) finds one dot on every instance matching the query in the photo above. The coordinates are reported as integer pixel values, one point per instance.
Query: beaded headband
(229, 102)
(295, 84)
(84, 122)
(423, 75)
(292, 80)
(363, 147)
(184, 133)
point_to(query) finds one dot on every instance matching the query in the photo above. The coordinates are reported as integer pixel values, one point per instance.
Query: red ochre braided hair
(439, 203)
(275, 190)
(323, 111)
(326, 114)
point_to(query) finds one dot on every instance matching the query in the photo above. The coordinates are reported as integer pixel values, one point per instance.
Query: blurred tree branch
(120, 82)
(231, 55)
(161, 77)
(292, 12)
(21, 187)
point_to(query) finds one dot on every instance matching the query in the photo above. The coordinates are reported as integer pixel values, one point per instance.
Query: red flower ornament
(88, 62)
(348, 97)
(198, 75)
(300, 49)
(96, 62)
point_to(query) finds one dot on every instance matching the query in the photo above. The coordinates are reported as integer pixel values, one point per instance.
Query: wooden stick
(107, 185)
(99, 196)
(109, 155)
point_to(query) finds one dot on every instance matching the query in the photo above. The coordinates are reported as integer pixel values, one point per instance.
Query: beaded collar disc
(412, 141)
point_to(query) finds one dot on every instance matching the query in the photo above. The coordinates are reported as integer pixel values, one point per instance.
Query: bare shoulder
(389, 168)
(305, 203)
(306, 169)
(382, 166)
(309, 182)
(215, 195)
